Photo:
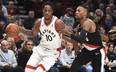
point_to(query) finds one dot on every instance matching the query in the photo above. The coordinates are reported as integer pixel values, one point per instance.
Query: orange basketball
(12, 30)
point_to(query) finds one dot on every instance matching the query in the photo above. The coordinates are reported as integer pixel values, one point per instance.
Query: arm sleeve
(80, 38)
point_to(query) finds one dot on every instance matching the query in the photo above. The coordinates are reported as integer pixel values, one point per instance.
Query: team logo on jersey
(49, 34)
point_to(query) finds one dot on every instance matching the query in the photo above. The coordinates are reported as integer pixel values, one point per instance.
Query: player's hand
(67, 32)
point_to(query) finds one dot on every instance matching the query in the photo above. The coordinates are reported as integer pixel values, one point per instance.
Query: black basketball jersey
(94, 38)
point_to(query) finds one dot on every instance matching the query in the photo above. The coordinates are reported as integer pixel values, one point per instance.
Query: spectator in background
(9, 19)
(102, 7)
(11, 9)
(112, 6)
(12, 45)
(3, 8)
(113, 12)
(25, 53)
(109, 11)
(112, 38)
(22, 38)
(35, 39)
(29, 22)
(113, 28)
(68, 18)
(2, 27)
(96, 20)
(2, 30)
(67, 56)
(99, 12)
(104, 36)
(108, 23)
(111, 65)
(112, 35)
(7, 57)
(2, 17)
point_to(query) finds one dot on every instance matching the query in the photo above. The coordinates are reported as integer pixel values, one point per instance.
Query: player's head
(47, 8)
(82, 11)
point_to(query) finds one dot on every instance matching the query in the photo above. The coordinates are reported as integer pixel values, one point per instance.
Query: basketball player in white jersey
(46, 53)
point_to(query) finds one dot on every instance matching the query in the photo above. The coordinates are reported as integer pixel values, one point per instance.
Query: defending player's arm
(83, 34)
(66, 31)
(75, 45)
(80, 38)
(32, 32)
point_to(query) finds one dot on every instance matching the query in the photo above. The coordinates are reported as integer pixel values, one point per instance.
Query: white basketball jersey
(50, 38)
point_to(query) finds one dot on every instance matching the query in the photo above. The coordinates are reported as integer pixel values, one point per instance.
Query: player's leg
(48, 61)
(98, 61)
(46, 64)
(81, 59)
(33, 62)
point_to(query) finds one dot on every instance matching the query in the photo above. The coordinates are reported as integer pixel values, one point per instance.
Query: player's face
(80, 12)
(47, 11)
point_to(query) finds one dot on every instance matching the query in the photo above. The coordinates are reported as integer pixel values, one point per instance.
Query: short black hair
(48, 3)
(86, 6)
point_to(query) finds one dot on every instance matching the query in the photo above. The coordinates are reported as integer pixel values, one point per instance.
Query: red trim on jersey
(41, 65)
(31, 67)
(59, 49)
(91, 46)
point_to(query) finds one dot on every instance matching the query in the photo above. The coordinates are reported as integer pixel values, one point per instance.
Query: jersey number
(48, 38)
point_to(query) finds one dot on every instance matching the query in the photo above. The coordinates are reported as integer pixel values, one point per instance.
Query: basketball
(12, 30)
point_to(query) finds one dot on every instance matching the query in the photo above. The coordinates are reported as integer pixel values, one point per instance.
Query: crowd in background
(15, 52)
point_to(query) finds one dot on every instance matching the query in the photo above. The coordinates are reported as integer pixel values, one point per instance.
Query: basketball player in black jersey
(89, 36)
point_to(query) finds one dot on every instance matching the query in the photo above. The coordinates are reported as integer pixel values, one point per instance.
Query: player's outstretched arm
(75, 43)
(66, 32)
(86, 27)
(32, 32)
(26, 31)
(62, 28)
